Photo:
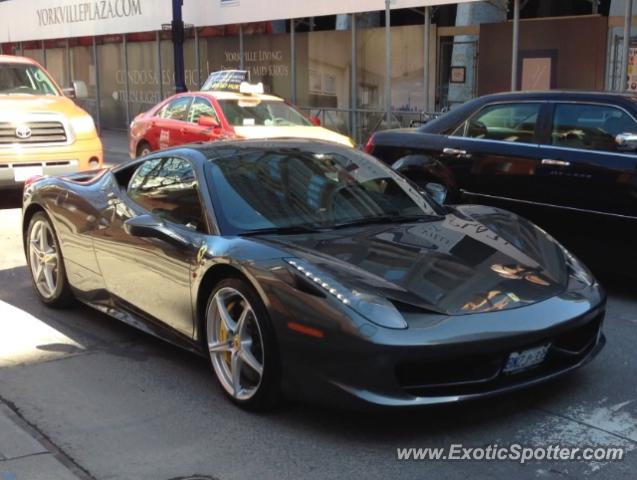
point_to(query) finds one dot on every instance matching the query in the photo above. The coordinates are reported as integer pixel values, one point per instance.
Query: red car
(214, 115)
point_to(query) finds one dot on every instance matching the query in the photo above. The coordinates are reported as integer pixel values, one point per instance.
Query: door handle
(455, 152)
(555, 163)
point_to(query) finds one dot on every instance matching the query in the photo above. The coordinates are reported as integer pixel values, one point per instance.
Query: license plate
(518, 361)
(21, 174)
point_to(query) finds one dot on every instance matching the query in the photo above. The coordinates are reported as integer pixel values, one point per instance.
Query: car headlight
(83, 125)
(577, 270)
(375, 308)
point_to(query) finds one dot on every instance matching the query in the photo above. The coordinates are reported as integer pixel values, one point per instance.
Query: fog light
(94, 162)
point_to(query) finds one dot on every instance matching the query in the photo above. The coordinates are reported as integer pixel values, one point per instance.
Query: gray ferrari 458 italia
(310, 270)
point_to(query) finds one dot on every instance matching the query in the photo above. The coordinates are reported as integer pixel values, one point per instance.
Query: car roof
(560, 95)
(222, 95)
(16, 59)
(455, 116)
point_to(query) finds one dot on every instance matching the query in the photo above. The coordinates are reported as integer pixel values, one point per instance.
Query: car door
(151, 274)
(170, 123)
(494, 153)
(583, 166)
(193, 131)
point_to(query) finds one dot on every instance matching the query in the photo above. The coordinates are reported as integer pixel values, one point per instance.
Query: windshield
(25, 79)
(317, 187)
(251, 112)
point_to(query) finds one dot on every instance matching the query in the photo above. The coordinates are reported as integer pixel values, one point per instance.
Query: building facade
(345, 61)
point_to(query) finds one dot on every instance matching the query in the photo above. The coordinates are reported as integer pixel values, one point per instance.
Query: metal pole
(178, 46)
(293, 59)
(354, 94)
(595, 7)
(126, 84)
(623, 73)
(160, 70)
(516, 45)
(388, 58)
(241, 59)
(69, 74)
(21, 49)
(98, 110)
(197, 58)
(427, 46)
(43, 53)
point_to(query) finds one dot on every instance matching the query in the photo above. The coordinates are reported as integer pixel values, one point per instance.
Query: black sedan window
(167, 188)
(323, 188)
(511, 122)
(591, 127)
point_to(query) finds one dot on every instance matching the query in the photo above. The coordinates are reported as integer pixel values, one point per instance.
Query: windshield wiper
(290, 230)
(388, 219)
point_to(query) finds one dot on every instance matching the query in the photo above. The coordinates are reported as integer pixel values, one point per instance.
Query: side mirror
(205, 121)
(78, 91)
(316, 121)
(437, 191)
(147, 226)
(627, 140)
(477, 129)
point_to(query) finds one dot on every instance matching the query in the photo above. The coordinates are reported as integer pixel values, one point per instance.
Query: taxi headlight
(83, 125)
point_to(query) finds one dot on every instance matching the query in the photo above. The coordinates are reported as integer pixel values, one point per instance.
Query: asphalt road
(123, 405)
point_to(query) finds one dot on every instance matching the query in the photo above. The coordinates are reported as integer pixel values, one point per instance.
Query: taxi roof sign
(226, 81)
(251, 88)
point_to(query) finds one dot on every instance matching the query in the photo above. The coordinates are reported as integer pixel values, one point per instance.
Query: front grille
(41, 132)
(468, 374)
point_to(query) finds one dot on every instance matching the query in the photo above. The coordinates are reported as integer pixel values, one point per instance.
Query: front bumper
(18, 162)
(444, 362)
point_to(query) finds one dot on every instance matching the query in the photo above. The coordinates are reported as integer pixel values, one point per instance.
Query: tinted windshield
(25, 79)
(318, 187)
(268, 113)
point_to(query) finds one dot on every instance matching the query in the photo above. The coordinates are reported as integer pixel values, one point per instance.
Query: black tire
(141, 147)
(62, 295)
(268, 393)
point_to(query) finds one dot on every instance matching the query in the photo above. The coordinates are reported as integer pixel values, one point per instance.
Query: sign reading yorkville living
(88, 11)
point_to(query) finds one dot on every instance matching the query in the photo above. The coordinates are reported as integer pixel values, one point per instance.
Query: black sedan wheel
(46, 263)
(241, 345)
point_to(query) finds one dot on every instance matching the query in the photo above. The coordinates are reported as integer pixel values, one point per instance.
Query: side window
(511, 122)
(177, 109)
(591, 127)
(201, 108)
(167, 188)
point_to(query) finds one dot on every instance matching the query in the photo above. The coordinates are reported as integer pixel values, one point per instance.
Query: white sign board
(23, 20)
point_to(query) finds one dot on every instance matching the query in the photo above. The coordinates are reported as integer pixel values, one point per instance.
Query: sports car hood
(314, 133)
(477, 259)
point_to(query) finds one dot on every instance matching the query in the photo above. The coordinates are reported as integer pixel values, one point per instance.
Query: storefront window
(83, 68)
(112, 83)
(324, 70)
(143, 76)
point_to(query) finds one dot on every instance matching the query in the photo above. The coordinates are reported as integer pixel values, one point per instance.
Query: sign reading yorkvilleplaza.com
(22, 20)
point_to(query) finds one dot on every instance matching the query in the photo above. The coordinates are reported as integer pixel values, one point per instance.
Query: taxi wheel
(143, 149)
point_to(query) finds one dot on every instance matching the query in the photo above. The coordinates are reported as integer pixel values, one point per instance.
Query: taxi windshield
(18, 78)
(262, 113)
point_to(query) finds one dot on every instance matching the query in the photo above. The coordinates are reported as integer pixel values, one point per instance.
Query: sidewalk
(24, 457)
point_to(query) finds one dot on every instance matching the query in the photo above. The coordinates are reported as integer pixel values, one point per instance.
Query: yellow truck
(42, 130)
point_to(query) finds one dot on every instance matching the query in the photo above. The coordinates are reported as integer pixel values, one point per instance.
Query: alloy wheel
(44, 259)
(235, 343)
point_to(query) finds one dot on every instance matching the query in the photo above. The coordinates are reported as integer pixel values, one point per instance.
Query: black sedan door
(493, 155)
(151, 273)
(583, 166)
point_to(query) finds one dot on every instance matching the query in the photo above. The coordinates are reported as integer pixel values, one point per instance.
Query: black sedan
(566, 160)
(313, 270)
